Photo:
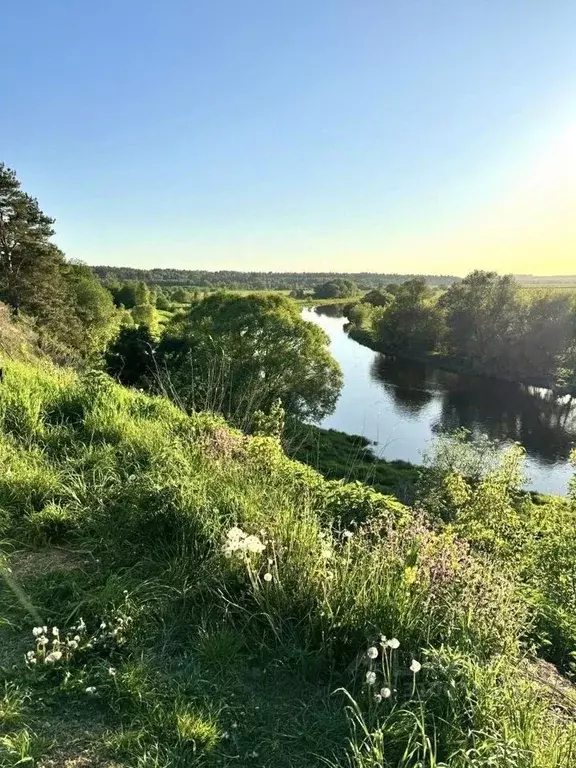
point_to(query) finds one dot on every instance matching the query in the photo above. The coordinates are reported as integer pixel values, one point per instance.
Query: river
(401, 406)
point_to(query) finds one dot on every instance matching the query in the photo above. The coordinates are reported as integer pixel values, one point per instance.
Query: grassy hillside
(213, 599)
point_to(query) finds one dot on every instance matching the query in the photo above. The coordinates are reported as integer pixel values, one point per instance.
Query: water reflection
(401, 405)
(504, 412)
(407, 383)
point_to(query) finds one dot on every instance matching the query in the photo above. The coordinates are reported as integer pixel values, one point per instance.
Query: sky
(432, 136)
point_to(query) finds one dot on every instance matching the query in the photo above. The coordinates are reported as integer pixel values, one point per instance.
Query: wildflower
(55, 631)
(415, 666)
(253, 544)
(103, 625)
(91, 690)
(81, 626)
(385, 693)
(370, 678)
(53, 657)
(268, 577)
(72, 644)
(372, 652)
(42, 641)
(377, 698)
(37, 631)
(76, 638)
(394, 643)
(31, 657)
(45, 630)
(111, 671)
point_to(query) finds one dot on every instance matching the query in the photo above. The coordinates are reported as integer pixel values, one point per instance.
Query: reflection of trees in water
(405, 381)
(505, 412)
(330, 310)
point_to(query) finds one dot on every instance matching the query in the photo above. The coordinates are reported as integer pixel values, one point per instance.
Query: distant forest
(274, 281)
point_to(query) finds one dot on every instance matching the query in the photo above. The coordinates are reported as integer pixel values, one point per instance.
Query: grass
(340, 456)
(198, 644)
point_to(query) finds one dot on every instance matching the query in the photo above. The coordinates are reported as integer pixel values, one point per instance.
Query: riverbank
(445, 362)
(340, 456)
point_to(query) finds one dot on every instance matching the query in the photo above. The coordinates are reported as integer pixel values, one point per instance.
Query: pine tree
(29, 262)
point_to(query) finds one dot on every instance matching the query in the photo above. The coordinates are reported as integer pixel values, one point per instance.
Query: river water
(402, 405)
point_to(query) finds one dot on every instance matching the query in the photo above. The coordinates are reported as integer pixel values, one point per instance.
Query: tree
(339, 288)
(130, 359)
(146, 315)
(378, 298)
(181, 296)
(29, 263)
(92, 307)
(413, 322)
(239, 354)
(484, 320)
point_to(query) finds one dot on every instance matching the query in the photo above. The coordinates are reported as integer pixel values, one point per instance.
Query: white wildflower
(253, 544)
(72, 644)
(385, 693)
(81, 626)
(37, 631)
(30, 656)
(377, 698)
(53, 657)
(103, 625)
(55, 631)
(268, 577)
(370, 678)
(394, 643)
(76, 638)
(111, 671)
(45, 630)
(91, 690)
(415, 666)
(372, 652)
(42, 641)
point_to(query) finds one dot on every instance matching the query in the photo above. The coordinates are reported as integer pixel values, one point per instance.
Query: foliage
(130, 358)
(338, 288)
(378, 298)
(250, 585)
(237, 355)
(413, 322)
(254, 281)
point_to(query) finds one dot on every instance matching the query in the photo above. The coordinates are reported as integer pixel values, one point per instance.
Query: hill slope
(211, 595)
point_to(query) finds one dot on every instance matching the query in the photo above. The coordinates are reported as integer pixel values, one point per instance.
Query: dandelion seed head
(268, 577)
(394, 643)
(377, 698)
(372, 652)
(37, 631)
(385, 692)
(415, 666)
(55, 631)
(370, 678)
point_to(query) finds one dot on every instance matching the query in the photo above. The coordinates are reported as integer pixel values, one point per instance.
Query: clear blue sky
(296, 134)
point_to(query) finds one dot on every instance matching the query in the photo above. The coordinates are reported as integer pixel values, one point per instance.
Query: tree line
(254, 281)
(486, 323)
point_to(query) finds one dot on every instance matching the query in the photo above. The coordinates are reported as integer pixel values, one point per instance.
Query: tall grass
(117, 509)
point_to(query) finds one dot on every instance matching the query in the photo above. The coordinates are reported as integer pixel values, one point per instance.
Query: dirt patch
(27, 564)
